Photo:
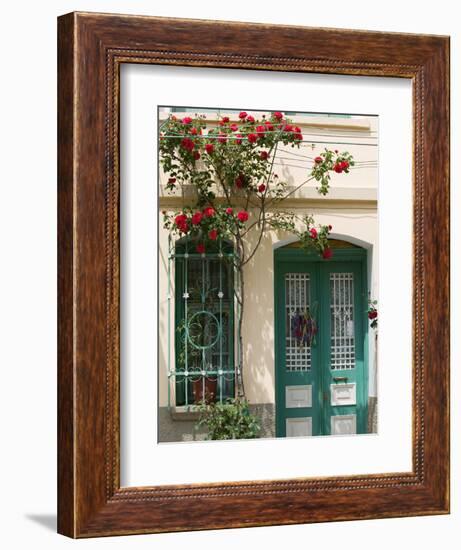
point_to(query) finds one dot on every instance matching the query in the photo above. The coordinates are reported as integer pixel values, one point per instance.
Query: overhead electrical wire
(301, 141)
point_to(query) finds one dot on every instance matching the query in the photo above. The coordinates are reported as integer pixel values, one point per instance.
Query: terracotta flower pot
(211, 387)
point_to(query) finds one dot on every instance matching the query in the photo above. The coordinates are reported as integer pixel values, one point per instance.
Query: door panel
(343, 424)
(343, 394)
(298, 427)
(296, 392)
(320, 348)
(342, 364)
(298, 396)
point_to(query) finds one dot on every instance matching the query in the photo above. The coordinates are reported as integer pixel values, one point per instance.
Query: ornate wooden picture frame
(92, 47)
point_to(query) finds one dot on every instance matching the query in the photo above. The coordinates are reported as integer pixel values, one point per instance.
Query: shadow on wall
(258, 325)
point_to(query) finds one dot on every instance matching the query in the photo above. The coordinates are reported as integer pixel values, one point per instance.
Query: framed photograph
(253, 275)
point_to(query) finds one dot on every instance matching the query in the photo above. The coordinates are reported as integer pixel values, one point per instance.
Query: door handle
(337, 379)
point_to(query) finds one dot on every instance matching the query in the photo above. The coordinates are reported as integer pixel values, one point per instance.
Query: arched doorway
(321, 347)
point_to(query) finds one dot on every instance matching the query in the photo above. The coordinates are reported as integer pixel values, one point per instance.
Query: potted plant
(205, 389)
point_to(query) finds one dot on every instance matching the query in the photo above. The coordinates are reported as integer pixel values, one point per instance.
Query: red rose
(209, 148)
(252, 138)
(209, 212)
(213, 234)
(194, 131)
(171, 180)
(187, 120)
(344, 165)
(372, 314)
(262, 188)
(225, 119)
(330, 227)
(180, 219)
(318, 160)
(278, 115)
(327, 253)
(313, 233)
(250, 118)
(269, 126)
(229, 211)
(239, 137)
(239, 181)
(197, 218)
(173, 117)
(242, 215)
(338, 168)
(288, 128)
(222, 138)
(264, 155)
(187, 144)
(260, 130)
(181, 222)
(200, 248)
(243, 115)
(234, 127)
(196, 155)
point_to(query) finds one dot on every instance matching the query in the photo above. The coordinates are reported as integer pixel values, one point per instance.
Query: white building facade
(322, 385)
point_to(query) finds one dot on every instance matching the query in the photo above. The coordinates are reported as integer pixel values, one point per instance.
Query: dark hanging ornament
(303, 328)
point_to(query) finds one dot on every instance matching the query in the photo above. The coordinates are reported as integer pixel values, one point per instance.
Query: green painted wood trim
(282, 377)
(352, 260)
(357, 374)
(278, 352)
(339, 254)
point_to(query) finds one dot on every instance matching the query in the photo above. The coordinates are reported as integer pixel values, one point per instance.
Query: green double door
(320, 344)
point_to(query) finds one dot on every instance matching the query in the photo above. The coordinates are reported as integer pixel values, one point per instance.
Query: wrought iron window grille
(202, 316)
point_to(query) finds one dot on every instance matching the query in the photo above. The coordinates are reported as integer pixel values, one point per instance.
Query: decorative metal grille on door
(342, 321)
(298, 336)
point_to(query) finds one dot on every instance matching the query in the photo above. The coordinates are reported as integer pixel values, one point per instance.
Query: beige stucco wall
(350, 207)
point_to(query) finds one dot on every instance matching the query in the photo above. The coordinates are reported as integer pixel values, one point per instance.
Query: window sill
(184, 413)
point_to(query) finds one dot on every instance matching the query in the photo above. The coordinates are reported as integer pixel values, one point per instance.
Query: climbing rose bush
(235, 160)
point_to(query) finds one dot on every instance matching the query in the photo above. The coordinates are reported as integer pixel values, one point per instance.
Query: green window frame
(204, 322)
